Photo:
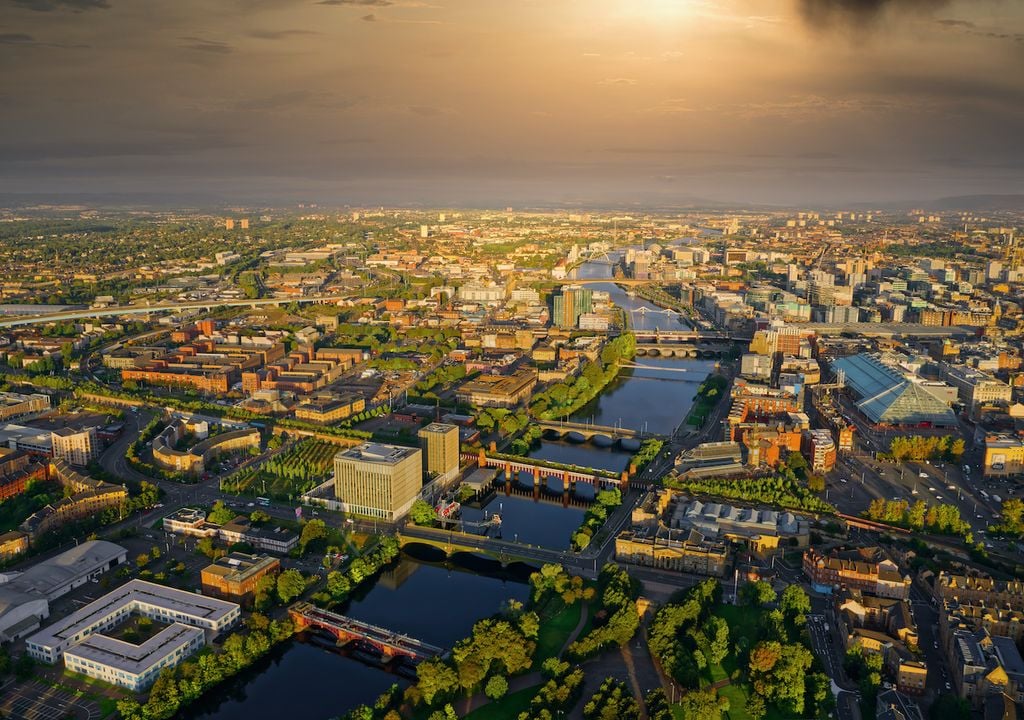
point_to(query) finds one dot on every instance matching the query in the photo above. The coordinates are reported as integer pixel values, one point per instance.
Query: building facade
(440, 443)
(378, 480)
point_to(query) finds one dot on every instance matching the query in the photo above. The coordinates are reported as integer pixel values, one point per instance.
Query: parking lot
(36, 701)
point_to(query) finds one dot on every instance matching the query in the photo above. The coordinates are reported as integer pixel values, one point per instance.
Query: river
(431, 602)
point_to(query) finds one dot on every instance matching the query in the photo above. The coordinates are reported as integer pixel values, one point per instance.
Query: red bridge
(345, 629)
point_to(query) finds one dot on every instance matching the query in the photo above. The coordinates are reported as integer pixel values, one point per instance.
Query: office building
(819, 449)
(378, 480)
(85, 641)
(440, 443)
(234, 576)
(498, 390)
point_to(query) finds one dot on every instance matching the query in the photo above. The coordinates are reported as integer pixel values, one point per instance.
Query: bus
(265, 502)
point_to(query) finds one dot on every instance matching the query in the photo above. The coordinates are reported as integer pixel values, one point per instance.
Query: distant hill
(978, 203)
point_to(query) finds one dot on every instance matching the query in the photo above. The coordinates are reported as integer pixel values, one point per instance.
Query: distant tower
(245, 223)
(424, 231)
(229, 224)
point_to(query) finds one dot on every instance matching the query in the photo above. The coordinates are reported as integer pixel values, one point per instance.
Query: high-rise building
(244, 223)
(570, 303)
(229, 224)
(440, 443)
(77, 447)
(378, 480)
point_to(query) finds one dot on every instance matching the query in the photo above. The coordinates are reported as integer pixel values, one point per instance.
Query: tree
(422, 513)
(496, 687)
(220, 514)
(795, 604)
(265, 588)
(312, 531)
(258, 516)
(290, 584)
(758, 593)
(816, 483)
(700, 705)
(435, 679)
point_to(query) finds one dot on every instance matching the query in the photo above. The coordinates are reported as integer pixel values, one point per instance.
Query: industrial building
(25, 596)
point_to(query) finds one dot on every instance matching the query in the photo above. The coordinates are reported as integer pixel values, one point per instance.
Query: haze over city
(498, 102)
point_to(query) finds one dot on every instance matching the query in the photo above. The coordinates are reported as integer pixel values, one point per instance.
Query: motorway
(118, 310)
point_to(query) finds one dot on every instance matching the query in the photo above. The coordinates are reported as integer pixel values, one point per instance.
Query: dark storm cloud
(826, 13)
(369, 18)
(73, 5)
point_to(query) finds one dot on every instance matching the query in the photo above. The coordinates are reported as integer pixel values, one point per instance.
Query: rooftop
(377, 453)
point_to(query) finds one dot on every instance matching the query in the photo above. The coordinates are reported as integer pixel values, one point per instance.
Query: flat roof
(131, 658)
(377, 453)
(135, 591)
(46, 576)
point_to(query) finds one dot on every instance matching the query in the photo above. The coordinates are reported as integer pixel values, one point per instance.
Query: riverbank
(709, 394)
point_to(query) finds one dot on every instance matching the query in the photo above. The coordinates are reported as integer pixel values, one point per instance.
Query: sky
(461, 103)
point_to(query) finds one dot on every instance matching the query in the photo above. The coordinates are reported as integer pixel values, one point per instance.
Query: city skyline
(605, 102)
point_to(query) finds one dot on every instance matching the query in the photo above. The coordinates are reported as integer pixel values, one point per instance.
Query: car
(931, 489)
(922, 475)
(948, 686)
(843, 480)
(250, 504)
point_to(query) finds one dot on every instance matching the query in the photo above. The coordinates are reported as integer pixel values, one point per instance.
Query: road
(118, 310)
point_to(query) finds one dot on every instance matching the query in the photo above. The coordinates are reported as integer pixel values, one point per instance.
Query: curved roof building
(888, 397)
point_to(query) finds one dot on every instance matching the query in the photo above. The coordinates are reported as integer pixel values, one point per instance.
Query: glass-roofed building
(888, 397)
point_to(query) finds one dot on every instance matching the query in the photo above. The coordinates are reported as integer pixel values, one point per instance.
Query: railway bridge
(346, 629)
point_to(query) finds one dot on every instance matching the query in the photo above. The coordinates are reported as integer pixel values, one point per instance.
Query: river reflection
(431, 602)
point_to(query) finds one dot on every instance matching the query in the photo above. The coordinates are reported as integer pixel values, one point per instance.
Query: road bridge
(346, 629)
(681, 350)
(587, 430)
(118, 310)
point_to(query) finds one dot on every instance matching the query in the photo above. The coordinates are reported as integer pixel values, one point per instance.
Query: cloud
(617, 81)
(73, 5)
(16, 39)
(369, 18)
(26, 40)
(280, 34)
(358, 3)
(207, 46)
(822, 14)
(956, 23)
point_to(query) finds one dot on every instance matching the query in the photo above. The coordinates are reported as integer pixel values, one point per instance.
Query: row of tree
(604, 504)
(942, 518)
(917, 447)
(341, 584)
(564, 398)
(176, 687)
(782, 490)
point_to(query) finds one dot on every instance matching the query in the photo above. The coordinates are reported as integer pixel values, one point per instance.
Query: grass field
(557, 623)
(508, 708)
